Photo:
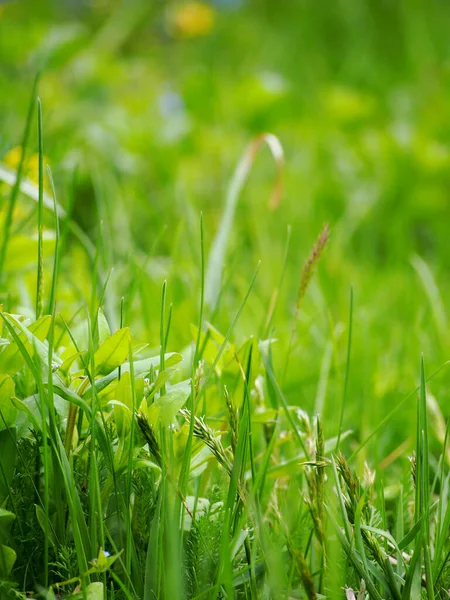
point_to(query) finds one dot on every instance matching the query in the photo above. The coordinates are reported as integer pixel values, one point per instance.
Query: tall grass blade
(423, 479)
(52, 300)
(15, 181)
(347, 371)
(228, 335)
(394, 411)
(216, 261)
(191, 403)
(432, 291)
(276, 293)
(40, 269)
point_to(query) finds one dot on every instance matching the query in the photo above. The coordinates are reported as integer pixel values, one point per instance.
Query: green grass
(207, 398)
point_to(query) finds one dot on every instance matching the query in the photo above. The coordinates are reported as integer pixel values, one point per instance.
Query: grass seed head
(311, 262)
(203, 432)
(149, 436)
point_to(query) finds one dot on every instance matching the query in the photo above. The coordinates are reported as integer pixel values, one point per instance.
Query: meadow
(224, 261)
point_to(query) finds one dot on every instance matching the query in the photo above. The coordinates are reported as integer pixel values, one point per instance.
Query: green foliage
(202, 552)
(289, 447)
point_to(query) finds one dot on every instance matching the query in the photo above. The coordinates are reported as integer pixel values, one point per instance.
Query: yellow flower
(12, 157)
(31, 164)
(192, 19)
(32, 167)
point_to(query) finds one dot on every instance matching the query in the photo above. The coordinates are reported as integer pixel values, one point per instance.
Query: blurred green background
(148, 107)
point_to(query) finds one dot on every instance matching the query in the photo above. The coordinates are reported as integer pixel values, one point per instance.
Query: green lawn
(223, 275)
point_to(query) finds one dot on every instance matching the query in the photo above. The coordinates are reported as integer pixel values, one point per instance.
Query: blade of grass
(52, 300)
(347, 371)
(57, 496)
(394, 411)
(186, 464)
(162, 336)
(216, 261)
(253, 472)
(284, 404)
(40, 269)
(17, 180)
(354, 558)
(423, 479)
(413, 571)
(227, 336)
(132, 565)
(76, 513)
(434, 297)
(276, 292)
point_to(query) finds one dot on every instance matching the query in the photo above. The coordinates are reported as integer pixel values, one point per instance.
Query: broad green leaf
(8, 451)
(32, 343)
(103, 329)
(68, 362)
(8, 412)
(11, 359)
(7, 560)
(23, 407)
(113, 352)
(109, 395)
(124, 406)
(68, 394)
(95, 591)
(30, 413)
(141, 367)
(161, 380)
(6, 517)
(166, 407)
